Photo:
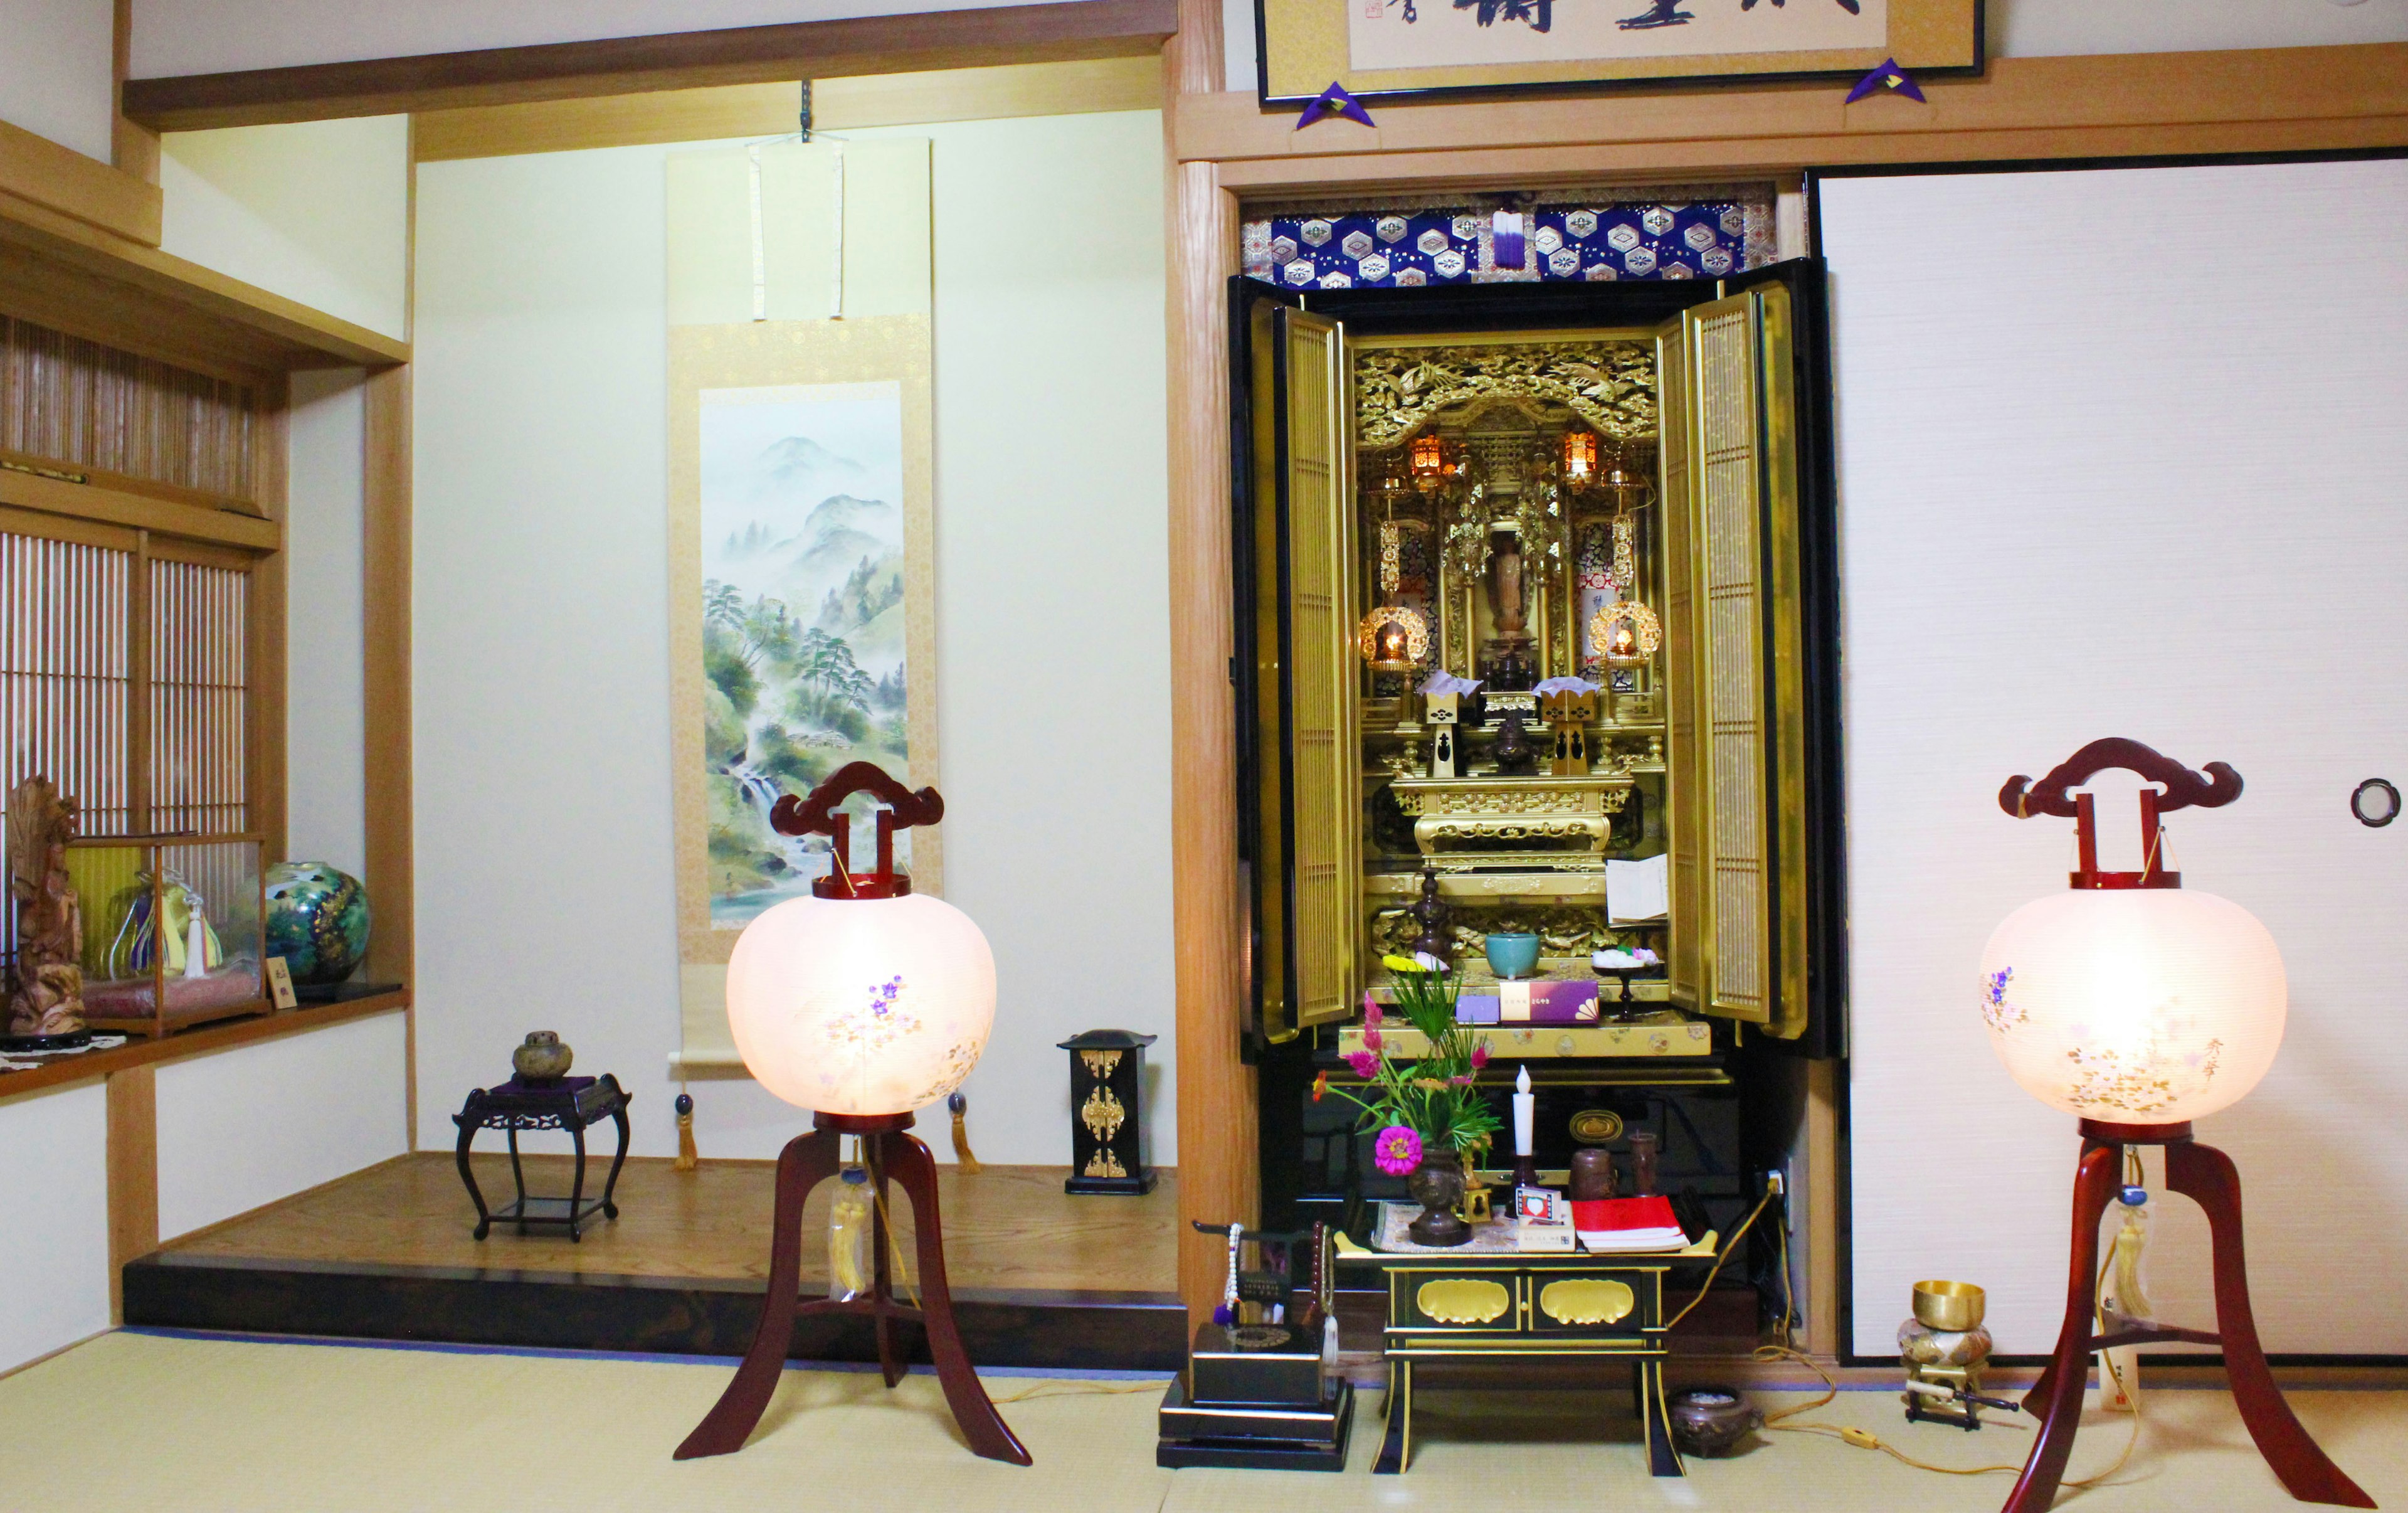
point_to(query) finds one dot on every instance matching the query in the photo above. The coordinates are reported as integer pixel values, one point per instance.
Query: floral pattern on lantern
(861, 1005)
(2134, 1005)
(1625, 632)
(1394, 639)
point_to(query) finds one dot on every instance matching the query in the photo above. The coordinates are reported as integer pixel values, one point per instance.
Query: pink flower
(1371, 1038)
(1462, 1081)
(1371, 1010)
(1479, 1056)
(1397, 1150)
(1366, 1065)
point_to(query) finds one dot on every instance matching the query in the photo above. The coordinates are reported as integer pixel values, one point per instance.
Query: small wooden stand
(805, 1161)
(2206, 1174)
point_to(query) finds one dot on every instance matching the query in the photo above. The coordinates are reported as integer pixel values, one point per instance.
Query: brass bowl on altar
(1951, 1307)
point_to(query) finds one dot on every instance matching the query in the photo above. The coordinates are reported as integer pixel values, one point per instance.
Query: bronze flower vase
(1437, 1185)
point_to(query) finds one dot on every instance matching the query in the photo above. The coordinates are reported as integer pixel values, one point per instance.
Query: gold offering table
(1555, 823)
(1488, 1301)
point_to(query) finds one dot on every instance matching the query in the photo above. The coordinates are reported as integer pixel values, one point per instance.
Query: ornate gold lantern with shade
(1393, 637)
(1580, 458)
(861, 1003)
(2139, 1005)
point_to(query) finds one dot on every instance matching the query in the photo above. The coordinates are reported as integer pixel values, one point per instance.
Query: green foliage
(1435, 1095)
(724, 736)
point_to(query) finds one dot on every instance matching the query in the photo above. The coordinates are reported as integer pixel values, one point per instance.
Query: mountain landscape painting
(803, 620)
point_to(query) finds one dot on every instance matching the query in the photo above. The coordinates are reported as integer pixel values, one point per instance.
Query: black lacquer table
(568, 1103)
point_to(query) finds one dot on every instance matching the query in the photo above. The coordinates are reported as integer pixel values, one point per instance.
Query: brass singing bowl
(1951, 1306)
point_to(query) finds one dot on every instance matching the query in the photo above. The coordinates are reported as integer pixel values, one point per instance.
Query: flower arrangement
(1425, 1103)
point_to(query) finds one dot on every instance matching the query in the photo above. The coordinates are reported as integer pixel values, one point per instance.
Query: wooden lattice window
(125, 677)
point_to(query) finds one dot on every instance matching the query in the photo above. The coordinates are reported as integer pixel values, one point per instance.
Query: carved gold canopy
(1611, 385)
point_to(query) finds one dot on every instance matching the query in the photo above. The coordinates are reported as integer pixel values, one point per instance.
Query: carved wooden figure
(46, 993)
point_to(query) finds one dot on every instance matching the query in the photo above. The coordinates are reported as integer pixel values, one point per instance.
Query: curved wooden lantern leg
(807, 1160)
(2057, 1397)
(2206, 1175)
(909, 1161)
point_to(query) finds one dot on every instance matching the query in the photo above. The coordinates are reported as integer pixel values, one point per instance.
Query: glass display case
(171, 929)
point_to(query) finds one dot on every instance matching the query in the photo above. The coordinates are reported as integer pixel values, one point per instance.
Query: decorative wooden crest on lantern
(2212, 787)
(818, 815)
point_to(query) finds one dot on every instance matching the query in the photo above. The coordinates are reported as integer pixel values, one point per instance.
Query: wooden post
(133, 1164)
(385, 686)
(1218, 1175)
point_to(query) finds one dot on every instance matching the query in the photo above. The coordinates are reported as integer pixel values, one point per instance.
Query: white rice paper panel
(2123, 452)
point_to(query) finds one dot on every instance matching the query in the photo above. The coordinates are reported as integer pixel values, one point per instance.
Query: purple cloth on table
(519, 1087)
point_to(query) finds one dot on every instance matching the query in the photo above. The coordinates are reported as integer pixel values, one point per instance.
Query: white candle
(1525, 1107)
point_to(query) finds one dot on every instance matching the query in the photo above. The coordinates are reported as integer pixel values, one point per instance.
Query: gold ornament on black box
(1107, 1135)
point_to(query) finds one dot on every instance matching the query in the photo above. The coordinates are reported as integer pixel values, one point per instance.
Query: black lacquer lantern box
(1107, 1128)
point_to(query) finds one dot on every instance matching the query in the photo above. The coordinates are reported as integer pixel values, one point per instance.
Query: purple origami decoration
(1333, 101)
(1889, 76)
(1505, 230)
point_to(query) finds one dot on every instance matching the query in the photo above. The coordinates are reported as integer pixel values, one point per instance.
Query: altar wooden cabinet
(1610, 507)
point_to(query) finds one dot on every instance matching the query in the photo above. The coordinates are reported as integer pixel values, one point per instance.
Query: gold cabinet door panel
(1582, 1302)
(1463, 1301)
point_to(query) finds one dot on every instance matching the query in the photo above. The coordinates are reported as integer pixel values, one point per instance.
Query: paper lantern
(861, 1005)
(2134, 1005)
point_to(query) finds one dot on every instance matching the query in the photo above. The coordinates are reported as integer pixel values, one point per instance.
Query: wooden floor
(1008, 1229)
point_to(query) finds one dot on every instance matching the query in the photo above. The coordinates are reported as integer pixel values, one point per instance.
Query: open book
(1637, 892)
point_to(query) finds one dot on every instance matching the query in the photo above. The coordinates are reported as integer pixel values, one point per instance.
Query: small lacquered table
(568, 1103)
(1488, 1303)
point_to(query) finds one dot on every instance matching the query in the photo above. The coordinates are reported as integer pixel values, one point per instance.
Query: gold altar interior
(1596, 528)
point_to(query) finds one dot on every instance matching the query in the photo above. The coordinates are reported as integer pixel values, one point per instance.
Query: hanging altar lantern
(1393, 637)
(1580, 458)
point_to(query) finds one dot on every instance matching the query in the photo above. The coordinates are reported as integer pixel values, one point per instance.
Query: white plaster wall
(2094, 483)
(326, 805)
(203, 36)
(317, 211)
(58, 73)
(55, 1246)
(262, 1121)
(546, 894)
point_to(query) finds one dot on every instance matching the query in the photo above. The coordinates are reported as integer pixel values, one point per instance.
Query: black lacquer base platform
(607, 1311)
(1257, 1437)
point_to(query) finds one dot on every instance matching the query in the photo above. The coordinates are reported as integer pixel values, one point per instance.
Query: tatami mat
(135, 1422)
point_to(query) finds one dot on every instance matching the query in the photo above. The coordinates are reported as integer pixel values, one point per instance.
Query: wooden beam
(133, 148)
(385, 678)
(696, 115)
(633, 64)
(133, 1165)
(63, 181)
(71, 274)
(204, 1041)
(2276, 99)
(121, 506)
(1219, 1174)
(269, 798)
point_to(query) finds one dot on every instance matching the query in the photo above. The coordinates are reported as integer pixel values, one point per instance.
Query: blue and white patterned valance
(1687, 233)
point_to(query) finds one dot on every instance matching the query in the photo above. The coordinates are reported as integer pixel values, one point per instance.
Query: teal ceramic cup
(1513, 955)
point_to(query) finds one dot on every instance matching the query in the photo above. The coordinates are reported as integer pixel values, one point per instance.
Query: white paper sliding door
(2123, 452)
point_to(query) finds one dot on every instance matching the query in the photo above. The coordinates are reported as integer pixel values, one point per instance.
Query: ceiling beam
(1065, 30)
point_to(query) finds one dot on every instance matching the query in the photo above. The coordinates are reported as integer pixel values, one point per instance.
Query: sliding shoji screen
(200, 694)
(125, 676)
(67, 635)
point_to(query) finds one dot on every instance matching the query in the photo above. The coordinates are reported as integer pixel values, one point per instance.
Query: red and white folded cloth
(1620, 1225)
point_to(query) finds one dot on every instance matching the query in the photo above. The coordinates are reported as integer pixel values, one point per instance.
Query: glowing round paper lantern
(861, 1005)
(2143, 1005)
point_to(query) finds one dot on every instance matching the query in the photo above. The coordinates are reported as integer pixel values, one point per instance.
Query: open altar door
(1739, 739)
(1300, 786)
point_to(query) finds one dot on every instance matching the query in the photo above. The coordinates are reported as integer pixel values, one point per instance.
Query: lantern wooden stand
(805, 1161)
(808, 1160)
(2202, 1173)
